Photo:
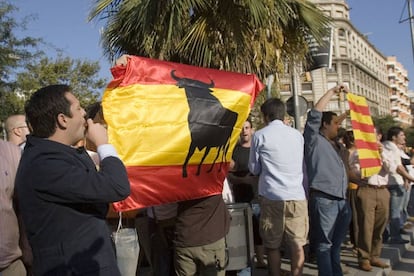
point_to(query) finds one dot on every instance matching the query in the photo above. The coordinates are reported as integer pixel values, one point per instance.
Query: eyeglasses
(20, 127)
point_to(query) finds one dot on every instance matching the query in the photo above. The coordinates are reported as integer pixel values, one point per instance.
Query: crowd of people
(303, 188)
(325, 185)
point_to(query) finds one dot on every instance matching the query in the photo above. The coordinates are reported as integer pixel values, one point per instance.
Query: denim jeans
(330, 218)
(396, 206)
(404, 212)
(127, 250)
(410, 208)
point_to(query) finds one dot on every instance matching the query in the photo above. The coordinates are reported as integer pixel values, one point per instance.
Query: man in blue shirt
(276, 155)
(330, 213)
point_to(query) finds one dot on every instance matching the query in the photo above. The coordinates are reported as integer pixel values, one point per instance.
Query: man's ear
(18, 131)
(61, 121)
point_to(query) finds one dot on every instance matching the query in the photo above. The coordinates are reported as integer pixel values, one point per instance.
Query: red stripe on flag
(363, 127)
(361, 144)
(155, 185)
(362, 109)
(370, 162)
(140, 70)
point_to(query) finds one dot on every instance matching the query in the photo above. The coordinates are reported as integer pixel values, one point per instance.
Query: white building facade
(358, 64)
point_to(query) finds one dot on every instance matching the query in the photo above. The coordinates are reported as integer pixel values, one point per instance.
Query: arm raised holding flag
(328, 184)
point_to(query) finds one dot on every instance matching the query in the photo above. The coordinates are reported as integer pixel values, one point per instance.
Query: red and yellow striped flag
(364, 134)
(174, 127)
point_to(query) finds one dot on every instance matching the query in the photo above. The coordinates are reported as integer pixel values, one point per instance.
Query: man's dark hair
(379, 131)
(327, 117)
(249, 120)
(94, 109)
(273, 109)
(341, 133)
(393, 131)
(43, 108)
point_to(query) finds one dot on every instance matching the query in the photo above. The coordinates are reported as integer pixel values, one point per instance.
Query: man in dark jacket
(63, 198)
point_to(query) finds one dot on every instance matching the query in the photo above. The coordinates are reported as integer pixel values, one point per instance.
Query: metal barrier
(239, 240)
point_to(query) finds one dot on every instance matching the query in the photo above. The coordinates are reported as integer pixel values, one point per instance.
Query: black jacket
(64, 201)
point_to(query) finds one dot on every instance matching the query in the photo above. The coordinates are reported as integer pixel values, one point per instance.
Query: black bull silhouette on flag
(209, 122)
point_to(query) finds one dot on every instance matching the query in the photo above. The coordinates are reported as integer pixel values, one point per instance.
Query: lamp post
(410, 16)
(269, 81)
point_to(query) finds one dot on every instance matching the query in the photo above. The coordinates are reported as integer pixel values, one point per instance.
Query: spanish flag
(364, 134)
(174, 127)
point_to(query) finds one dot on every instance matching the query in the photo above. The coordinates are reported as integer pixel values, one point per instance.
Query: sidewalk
(400, 257)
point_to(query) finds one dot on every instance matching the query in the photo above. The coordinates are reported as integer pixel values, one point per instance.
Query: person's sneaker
(398, 241)
(365, 265)
(379, 263)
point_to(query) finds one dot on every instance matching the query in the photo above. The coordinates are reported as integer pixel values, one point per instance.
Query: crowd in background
(303, 189)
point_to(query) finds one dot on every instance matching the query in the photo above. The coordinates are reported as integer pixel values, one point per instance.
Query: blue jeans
(127, 250)
(396, 206)
(406, 199)
(330, 218)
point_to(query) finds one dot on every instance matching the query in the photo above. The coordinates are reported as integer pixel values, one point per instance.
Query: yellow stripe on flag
(366, 153)
(358, 134)
(367, 172)
(361, 118)
(156, 126)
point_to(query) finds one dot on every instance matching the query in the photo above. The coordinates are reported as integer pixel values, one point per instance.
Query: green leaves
(80, 75)
(246, 36)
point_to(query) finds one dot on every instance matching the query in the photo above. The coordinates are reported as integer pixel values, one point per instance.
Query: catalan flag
(364, 134)
(174, 127)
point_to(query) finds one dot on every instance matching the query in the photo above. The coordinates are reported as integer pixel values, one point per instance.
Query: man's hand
(340, 88)
(123, 60)
(96, 133)
(324, 100)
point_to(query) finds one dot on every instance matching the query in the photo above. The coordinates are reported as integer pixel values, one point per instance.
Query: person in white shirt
(276, 155)
(395, 137)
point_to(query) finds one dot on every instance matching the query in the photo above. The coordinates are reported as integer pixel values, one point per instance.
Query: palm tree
(246, 36)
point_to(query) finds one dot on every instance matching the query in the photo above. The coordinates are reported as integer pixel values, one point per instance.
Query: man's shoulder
(9, 150)
(390, 146)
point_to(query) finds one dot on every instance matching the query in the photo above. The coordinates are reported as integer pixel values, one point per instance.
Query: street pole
(295, 95)
(269, 82)
(410, 17)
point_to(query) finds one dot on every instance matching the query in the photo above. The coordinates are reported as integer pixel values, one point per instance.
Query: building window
(342, 51)
(345, 68)
(285, 88)
(332, 69)
(341, 33)
(339, 14)
(333, 106)
(306, 88)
